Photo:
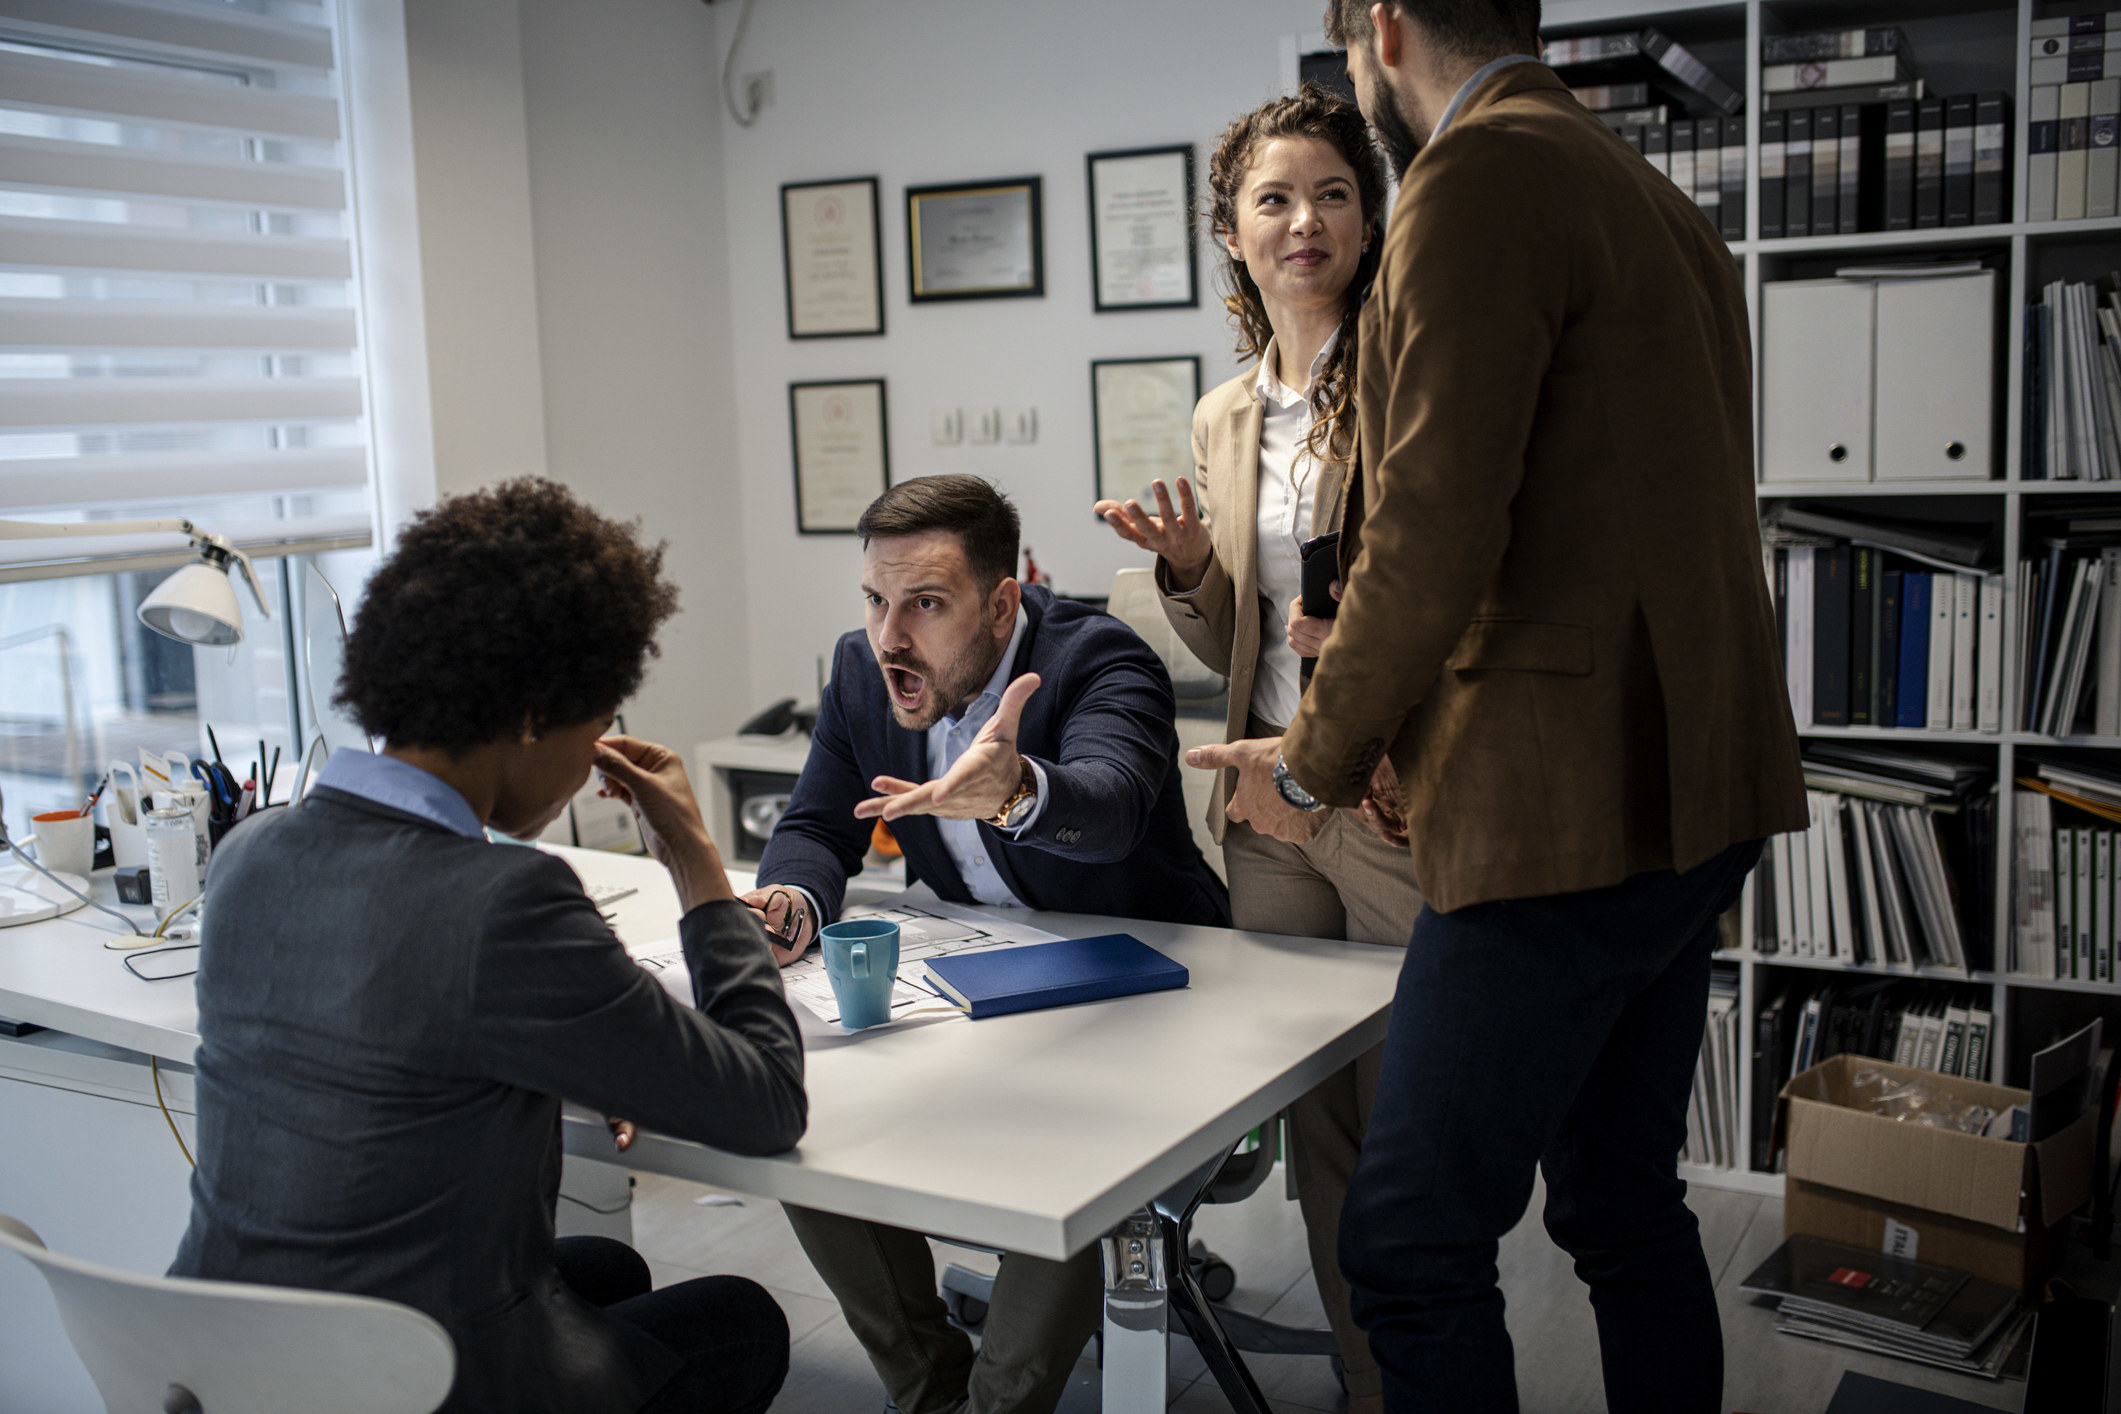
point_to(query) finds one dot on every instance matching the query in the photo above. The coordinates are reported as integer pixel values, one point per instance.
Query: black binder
(1929, 163)
(1734, 179)
(1797, 175)
(1773, 127)
(1863, 622)
(1848, 211)
(1826, 170)
(1832, 601)
(1900, 165)
(1959, 160)
(1992, 161)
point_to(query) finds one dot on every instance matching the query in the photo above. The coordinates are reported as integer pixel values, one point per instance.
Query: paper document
(927, 927)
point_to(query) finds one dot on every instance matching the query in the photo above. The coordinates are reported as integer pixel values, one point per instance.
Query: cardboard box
(1985, 1206)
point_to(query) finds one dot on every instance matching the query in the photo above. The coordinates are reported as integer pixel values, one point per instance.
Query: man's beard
(949, 689)
(1398, 138)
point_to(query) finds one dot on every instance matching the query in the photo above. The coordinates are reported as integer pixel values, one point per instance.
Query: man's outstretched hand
(1255, 801)
(973, 789)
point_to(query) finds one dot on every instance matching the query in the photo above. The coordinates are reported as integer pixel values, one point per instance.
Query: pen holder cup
(124, 806)
(861, 960)
(66, 842)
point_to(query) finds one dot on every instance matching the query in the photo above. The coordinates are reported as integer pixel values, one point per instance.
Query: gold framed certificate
(833, 258)
(1142, 250)
(1142, 410)
(842, 455)
(975, 240)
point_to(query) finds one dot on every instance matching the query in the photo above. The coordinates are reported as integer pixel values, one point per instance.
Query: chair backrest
(1136, 604)
(240, 1349)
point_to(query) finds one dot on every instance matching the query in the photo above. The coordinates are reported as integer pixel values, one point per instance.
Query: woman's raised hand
(1178, 534)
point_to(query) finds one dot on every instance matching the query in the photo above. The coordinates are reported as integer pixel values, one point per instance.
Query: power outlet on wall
(1020, 425)
(986, 426)
(946, 426)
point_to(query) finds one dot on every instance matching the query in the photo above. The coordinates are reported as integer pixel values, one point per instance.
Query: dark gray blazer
(387, 1013)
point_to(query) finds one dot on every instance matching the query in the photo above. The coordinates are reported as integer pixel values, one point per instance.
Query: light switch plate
(986, 426)
(947, 426)
(1020, 425)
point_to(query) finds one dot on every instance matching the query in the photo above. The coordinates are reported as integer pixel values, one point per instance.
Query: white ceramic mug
(66, 841)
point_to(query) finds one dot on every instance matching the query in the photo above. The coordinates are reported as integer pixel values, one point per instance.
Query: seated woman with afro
(391, 1008)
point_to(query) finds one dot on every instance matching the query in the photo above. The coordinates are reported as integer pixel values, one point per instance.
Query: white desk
(1038, 1133)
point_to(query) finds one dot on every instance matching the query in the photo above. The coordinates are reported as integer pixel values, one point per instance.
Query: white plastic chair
(212, 1347)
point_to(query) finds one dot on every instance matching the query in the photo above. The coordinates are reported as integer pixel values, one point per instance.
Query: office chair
(212, 1347)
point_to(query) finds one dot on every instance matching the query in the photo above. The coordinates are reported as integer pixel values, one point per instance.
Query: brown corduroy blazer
(1555, 617)
(1220, 620)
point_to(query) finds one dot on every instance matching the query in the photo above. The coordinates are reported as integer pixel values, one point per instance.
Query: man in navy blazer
(1023, 750)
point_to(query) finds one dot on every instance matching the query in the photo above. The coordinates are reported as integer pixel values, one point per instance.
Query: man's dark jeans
(1559, 1033)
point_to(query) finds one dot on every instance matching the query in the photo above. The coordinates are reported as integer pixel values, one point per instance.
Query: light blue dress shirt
(401, 786)
(947, 741)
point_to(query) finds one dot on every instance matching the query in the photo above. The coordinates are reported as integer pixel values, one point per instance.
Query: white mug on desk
(66, 841)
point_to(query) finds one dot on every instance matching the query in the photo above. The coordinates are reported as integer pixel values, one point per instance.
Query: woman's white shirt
(1288, 489)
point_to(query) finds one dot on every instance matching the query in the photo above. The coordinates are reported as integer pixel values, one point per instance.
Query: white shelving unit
(1959, 46)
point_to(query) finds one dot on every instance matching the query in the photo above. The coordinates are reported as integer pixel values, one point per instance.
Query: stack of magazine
(1913, 1310)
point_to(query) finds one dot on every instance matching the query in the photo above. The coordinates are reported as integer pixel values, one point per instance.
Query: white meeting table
(1040, 1132)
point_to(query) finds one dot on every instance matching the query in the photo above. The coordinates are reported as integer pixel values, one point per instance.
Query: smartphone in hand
(1321, 563)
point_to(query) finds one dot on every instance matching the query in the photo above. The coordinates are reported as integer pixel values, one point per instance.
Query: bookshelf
(1960, 46)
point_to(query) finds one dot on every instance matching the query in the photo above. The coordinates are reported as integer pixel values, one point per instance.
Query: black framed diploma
(975, 240)
(1142, 412)
(1142, 251)
(833, 259)
(842, 454)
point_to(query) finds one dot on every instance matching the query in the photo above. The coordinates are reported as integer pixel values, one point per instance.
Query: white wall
(572, 276)
(951, 90)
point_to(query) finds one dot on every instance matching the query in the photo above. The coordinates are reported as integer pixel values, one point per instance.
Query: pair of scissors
(220, 785)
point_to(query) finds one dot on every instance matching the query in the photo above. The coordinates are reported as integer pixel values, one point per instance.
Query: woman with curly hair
(391, 1008)
(1297, 198)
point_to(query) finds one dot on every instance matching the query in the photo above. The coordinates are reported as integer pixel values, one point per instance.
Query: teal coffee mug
(861, 958)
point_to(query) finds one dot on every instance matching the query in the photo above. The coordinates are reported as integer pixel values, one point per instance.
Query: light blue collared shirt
(1480, 76)
(947, 741)
(401, 785)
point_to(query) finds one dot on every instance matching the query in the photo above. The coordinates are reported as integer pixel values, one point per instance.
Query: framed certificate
(1142, 409)
(842, 462)
(1142, 252)
(832, 250)
(978, 240)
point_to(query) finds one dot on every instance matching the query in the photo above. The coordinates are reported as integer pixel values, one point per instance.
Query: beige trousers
(1042, 1315)
(1345, 883)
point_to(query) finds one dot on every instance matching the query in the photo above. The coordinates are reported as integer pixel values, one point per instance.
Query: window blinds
(178, 322)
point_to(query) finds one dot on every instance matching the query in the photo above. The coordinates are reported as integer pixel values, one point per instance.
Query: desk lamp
(195, 605)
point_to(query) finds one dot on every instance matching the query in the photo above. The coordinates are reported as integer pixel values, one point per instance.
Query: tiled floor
(1557, 1344)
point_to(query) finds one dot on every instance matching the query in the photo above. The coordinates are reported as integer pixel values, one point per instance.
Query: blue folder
(1054, 974)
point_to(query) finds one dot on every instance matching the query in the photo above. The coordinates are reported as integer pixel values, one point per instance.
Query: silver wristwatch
(1295, 794)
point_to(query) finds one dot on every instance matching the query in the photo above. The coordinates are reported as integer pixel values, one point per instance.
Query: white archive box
(1888, 379)
(1816, 380)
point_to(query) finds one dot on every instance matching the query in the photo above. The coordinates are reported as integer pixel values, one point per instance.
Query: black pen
(214, 744)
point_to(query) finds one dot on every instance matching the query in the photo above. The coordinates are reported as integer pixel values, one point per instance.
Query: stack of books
(2073, 382)
(2069, 649)
(1886, 623)
(2062, 910)
(1891, 869)
(1929, 1025)
(1892, 1306)
(1712, 1110)
(1668, 106)
(2072, 161)
(1851, 141)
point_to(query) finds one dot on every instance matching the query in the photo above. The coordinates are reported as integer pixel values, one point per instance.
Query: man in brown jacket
(1556, 634)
